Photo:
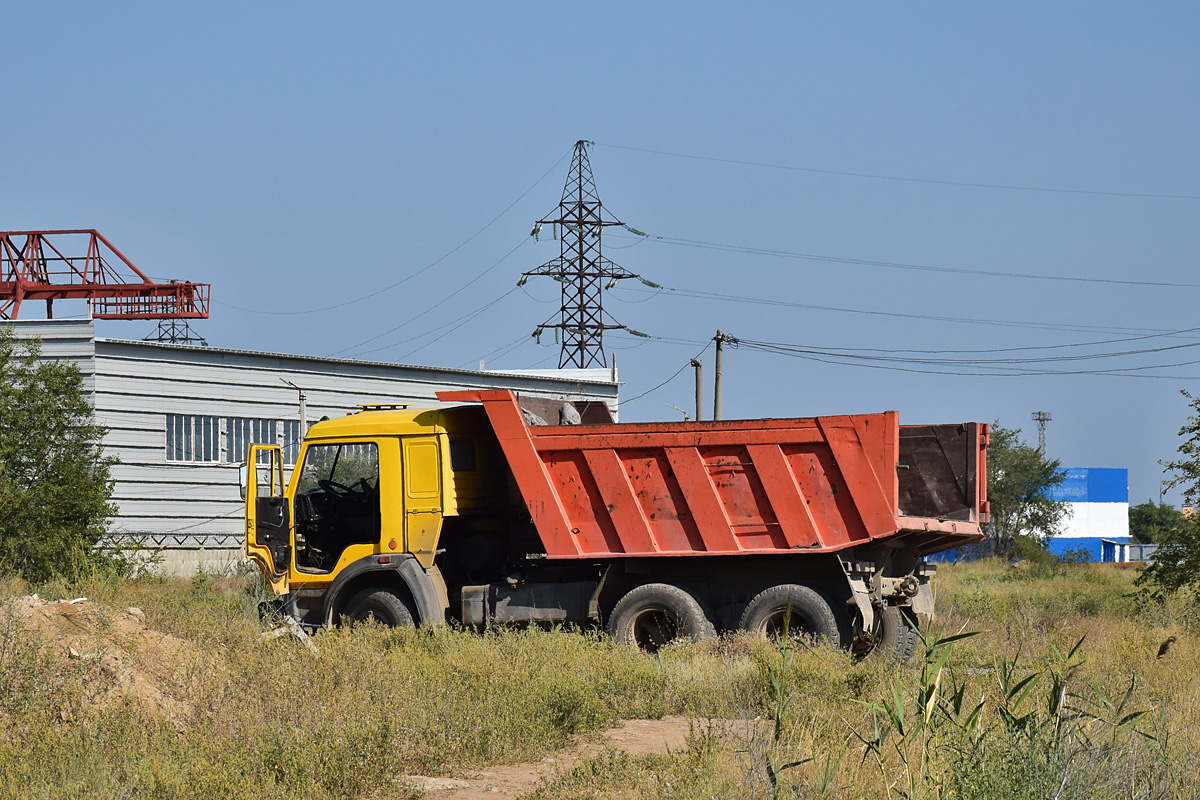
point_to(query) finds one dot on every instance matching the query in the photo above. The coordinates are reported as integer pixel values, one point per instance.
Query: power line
(508, 348)
(502, 350)
(872, 354)
(456, 323)
(505, 347)
(898, 365)
(515, 345)
(436, 305)
(906, 179)
(1109, 373)
(1017, 349)
(686, 364)
(537, 364)
(905, 365)
(421, 271)
(524, 289)
(1057, 326)
(641, 341)
(671, 340)
(866, 262)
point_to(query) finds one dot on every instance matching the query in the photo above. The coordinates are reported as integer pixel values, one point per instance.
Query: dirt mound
(129, 661)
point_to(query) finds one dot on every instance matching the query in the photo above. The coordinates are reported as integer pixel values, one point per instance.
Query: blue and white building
(1098, 505)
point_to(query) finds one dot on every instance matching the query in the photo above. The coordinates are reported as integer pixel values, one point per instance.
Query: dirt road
(634, 736)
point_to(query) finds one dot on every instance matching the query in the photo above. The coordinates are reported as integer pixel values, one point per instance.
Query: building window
(241, 432)
(193, 438)
(291, 440)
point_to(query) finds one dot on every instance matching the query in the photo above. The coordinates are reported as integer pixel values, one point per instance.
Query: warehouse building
(180, 417)
(1096, 524)
(1097, 502)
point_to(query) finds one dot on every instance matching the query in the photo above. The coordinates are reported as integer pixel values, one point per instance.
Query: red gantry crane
(82, 264)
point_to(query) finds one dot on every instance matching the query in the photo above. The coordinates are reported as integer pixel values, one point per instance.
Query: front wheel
(385, 607)
(656, 614)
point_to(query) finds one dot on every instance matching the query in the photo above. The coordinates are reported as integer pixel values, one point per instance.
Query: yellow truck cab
(364, 510)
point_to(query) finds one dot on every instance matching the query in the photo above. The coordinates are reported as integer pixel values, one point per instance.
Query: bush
(54, 479)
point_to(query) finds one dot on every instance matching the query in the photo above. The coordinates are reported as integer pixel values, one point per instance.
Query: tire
(895, 637)
(381, 605)
(654, 614)
(793, 608)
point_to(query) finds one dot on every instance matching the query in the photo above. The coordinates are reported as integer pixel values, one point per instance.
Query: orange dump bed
(810, 485)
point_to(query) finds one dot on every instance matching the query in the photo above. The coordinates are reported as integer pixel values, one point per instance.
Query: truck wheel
(654, 614)
(791, 609)
(895, 637)
(381, 605)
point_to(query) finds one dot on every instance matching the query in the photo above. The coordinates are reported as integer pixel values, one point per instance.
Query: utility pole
(1041, 418)
(720, 339)
(699, 365)
(303, 407)
(581, 268)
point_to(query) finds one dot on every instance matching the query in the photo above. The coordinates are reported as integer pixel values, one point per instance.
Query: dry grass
(266, 719)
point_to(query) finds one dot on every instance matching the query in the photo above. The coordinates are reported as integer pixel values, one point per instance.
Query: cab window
(462, 455)
(337, 503)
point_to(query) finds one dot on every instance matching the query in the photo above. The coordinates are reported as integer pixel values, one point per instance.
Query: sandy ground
(634, 736)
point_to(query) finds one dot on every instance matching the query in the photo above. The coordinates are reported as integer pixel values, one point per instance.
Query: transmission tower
(580, 267)
(1041, 418)
(175, 331)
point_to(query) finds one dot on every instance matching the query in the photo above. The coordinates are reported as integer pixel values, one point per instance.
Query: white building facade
(180, 417)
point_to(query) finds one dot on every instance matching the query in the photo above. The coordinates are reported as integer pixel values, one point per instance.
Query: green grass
(266, 719)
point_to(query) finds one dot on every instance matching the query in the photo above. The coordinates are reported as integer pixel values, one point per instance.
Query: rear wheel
(383, 606)
(896, 635)
(791, 610)
(655, 614)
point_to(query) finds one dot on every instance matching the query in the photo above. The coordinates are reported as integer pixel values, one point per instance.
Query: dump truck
(652, 531)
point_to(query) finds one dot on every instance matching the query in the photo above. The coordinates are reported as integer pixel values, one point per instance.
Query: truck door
(422, 497)
(268, 515)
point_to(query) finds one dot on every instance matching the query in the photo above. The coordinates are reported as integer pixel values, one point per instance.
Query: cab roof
(393, 422)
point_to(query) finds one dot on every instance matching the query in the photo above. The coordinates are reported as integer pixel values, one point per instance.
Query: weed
(1012, 711)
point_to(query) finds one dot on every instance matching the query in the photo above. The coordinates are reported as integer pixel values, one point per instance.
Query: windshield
(349, 466)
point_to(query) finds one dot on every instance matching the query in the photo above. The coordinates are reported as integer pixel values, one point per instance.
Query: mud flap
(922, 602)
(864, 639)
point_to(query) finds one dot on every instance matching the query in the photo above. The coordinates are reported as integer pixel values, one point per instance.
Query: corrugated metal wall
(196, 503)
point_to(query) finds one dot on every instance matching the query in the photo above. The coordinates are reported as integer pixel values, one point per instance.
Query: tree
(1153, 523)
(1021, 481)
(1177, 560)
(54, 477)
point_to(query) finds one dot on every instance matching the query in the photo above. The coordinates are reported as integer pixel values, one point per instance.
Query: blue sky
(299, 157)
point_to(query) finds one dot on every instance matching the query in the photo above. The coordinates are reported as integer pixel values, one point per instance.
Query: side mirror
(243, 474)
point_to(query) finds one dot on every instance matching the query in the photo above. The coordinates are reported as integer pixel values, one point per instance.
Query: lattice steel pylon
(1041, 418)
(581, 267)
(175, 331)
